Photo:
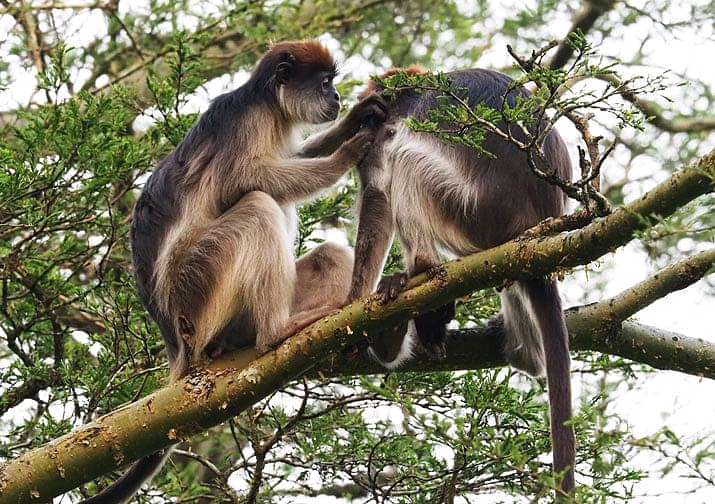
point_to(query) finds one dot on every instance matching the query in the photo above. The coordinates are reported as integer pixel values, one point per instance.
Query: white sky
(684, 402)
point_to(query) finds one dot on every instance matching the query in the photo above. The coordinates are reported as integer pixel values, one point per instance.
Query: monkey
(213, 229)
(441, 197)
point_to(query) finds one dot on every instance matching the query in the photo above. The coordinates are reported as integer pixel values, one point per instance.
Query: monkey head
(302, 74)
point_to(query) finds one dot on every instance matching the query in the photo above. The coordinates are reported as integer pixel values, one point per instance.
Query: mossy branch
(232, 384)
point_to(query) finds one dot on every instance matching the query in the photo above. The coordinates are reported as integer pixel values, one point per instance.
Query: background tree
(96, 92)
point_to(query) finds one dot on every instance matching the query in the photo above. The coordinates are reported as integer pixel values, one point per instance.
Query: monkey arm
(375, 232)
(294, 179)
(326, 142)
(370, 112)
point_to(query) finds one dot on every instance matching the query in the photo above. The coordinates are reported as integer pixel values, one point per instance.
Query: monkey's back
(155, 211)
(498, 186)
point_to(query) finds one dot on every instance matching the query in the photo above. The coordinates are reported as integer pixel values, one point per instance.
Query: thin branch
(654, 113)
(218, 476)
(27, 20)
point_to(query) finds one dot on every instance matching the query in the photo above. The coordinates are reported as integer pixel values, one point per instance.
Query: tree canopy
(93, 93)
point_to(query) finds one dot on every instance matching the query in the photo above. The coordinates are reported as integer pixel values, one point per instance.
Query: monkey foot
(390, 287)
(295, 324)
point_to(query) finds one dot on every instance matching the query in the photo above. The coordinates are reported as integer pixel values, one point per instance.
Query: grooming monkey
(212, 232)
(445, 197)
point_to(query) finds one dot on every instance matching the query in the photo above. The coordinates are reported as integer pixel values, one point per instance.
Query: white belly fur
(414, 160)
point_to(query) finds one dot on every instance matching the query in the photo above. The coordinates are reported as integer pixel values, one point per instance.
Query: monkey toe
(390, 287)
(263, 349)
(432, 333)
(267, 346)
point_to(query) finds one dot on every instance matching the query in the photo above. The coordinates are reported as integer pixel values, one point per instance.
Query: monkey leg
(323, 277)
(523, 344)
(430, 327)
(395, 345)
(239, 273)
(321, 286)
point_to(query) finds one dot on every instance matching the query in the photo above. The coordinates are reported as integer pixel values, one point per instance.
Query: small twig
(219, 477)
(536, 55)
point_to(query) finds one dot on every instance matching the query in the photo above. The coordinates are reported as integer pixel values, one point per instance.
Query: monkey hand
(370, 112)
(355, 149)
(390, 287)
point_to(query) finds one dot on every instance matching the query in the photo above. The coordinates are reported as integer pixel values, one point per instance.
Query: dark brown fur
(448, 197)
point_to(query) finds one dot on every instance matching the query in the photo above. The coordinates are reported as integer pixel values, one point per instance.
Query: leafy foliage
(75, 342)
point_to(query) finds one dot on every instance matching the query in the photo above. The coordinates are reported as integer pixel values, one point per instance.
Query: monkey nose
(336, 96)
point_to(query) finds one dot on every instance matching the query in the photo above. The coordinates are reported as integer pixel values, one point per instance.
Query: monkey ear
(284, 69)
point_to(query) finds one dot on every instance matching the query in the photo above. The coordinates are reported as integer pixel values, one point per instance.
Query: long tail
(533, 308)
(122, 490)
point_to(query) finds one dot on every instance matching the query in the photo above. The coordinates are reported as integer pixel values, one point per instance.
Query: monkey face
(312, 98)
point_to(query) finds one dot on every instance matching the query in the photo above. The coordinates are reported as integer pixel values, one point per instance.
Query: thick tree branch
(232, 384)
(674, 277)
(601, 326)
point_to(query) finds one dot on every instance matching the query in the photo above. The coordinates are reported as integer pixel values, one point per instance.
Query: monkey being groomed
(452, 198)
(212, 232)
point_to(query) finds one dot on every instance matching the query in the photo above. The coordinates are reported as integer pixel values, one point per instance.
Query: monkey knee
(523, 348)
(328, 261)
(394, 346)
(526, 359)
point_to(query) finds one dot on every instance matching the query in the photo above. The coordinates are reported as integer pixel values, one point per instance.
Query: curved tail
(536, 335)
(130, 482)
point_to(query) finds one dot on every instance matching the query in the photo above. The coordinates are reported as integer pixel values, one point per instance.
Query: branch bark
(230, 385)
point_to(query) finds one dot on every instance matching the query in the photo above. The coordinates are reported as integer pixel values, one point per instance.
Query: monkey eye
(326, 83)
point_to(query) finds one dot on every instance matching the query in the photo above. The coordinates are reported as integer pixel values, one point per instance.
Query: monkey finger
(372, 111)
(394, 291)
(377, 113)
(354, 351)
(378, 100)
